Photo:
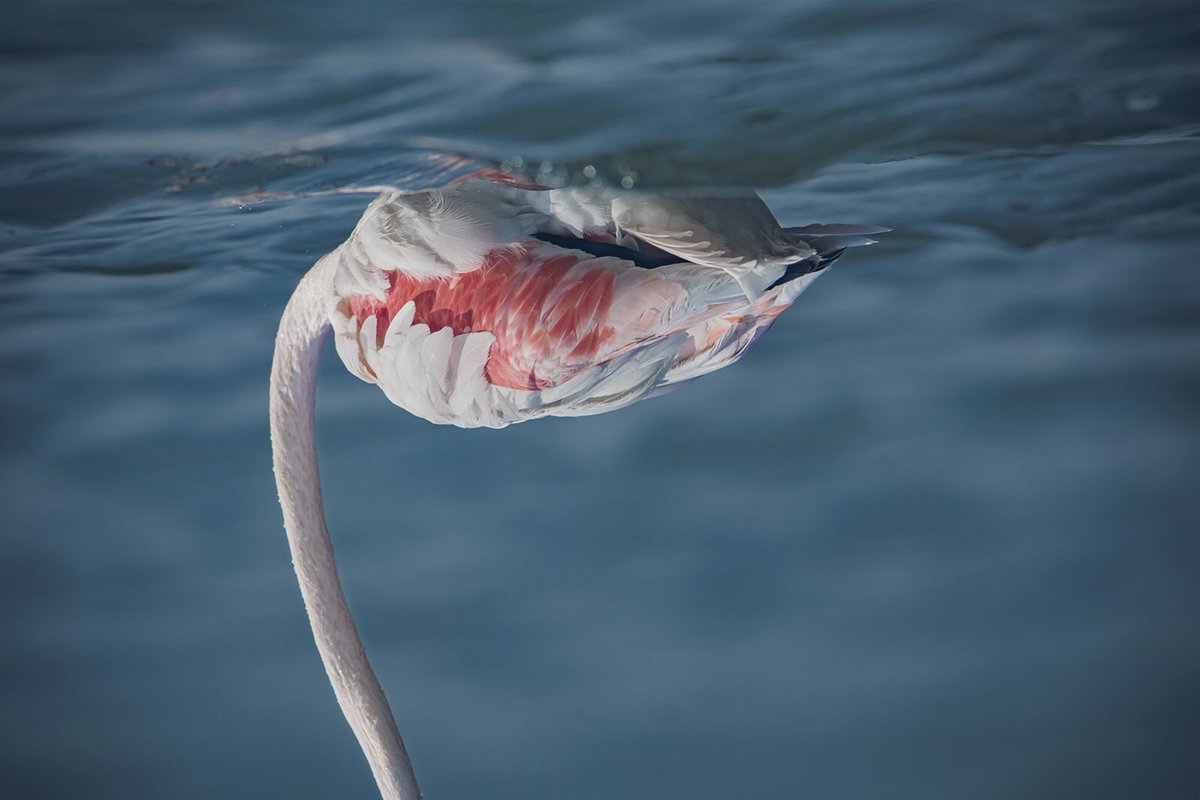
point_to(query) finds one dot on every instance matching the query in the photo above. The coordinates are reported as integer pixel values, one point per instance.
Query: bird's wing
(734, 233)
(548, 331)
(537, 329)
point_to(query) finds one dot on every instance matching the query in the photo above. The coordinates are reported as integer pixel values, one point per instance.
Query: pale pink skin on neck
(553, 312)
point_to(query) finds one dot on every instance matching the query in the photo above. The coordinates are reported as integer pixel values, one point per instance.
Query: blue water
(936, 537)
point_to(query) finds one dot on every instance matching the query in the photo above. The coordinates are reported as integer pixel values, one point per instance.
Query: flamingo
(491, 300)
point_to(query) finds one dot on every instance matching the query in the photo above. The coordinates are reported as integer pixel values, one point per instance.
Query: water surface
(935, 537)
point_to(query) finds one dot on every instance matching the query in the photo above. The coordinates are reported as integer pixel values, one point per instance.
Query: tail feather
(828, 242)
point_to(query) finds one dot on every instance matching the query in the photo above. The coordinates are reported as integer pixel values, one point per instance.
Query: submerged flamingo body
(491, 301)
(487, 303)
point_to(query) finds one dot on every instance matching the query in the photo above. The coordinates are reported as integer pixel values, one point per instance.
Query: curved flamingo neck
(302, 331)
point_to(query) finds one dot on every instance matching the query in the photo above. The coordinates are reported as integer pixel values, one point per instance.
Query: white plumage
(487, 302)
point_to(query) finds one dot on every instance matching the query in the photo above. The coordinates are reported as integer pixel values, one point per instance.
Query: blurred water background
(937, 537)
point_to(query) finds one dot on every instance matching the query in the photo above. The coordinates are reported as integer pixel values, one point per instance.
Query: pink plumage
(490, 301)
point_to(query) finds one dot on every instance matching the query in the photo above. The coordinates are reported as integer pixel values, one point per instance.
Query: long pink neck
(293, 444)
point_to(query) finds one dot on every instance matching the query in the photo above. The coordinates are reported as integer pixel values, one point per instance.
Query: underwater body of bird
(488, 301)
